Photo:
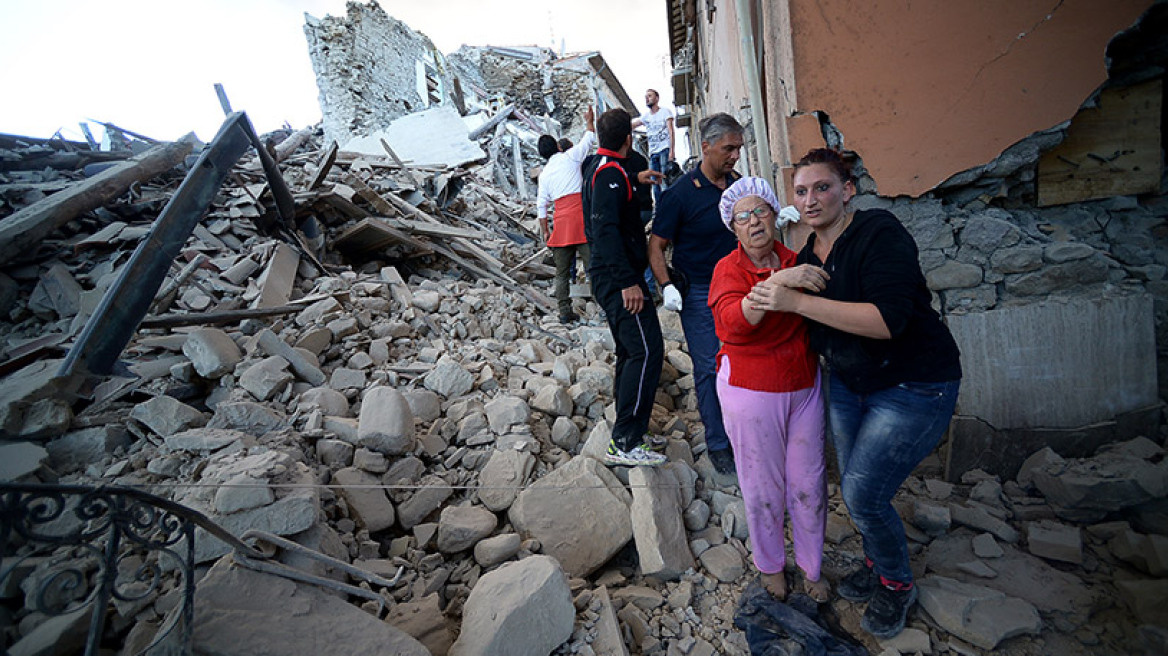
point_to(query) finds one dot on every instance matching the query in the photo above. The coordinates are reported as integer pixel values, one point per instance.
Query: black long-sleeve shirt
(875, 261)
(612, 221)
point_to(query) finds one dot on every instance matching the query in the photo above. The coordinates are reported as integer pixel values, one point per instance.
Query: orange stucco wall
(923, 90)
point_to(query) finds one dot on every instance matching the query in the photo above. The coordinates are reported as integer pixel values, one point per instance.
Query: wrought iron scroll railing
(78, 547)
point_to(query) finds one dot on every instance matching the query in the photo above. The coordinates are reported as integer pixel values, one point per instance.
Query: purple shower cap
(744, 187)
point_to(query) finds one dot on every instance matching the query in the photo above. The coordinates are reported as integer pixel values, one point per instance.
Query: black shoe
(859, 585)
(723, 461)
(569, 317)
(887, 611)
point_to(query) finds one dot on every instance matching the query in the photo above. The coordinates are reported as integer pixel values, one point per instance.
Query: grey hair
(715, 126)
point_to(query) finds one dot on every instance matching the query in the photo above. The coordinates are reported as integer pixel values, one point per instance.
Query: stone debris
(520, 609)
(231, 602)
(414, 407)
(980, 615)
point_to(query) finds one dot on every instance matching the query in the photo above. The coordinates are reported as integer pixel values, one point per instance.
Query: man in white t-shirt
(658, 122)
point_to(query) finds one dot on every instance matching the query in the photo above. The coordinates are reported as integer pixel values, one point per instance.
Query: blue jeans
(697, 321)
(879, 439)
(657, 162)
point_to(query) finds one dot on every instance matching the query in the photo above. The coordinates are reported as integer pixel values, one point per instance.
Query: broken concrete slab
(1119, 476)
(431, 138)
(79, 449)
(239, 611)
(1020, 575)
(980, 615)
(21, 459)
(723, 562)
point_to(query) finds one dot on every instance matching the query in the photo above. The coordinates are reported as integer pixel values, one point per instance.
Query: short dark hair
(838, 162)
(547, 146)
(613, 128)
(565, 144)
(715, 126)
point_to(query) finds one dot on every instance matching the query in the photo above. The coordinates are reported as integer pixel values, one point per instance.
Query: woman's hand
(772, 296)
(804, 276)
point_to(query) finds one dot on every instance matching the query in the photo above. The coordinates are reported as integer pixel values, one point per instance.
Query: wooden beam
(1112, 149)
(22, 231)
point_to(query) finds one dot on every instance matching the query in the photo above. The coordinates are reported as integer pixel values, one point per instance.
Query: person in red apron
(559, 192)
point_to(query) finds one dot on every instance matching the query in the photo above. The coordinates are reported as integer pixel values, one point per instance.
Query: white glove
(672, 297)
(788, 215)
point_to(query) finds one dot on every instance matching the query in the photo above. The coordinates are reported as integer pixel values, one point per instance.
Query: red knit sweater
(773, 356)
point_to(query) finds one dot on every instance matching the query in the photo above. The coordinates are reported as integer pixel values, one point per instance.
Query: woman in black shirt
(895, 370)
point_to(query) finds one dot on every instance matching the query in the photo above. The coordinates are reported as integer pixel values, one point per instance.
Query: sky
(150, 66)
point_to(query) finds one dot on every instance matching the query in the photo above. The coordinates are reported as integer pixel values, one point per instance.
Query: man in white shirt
(559, 190)
(658, 122)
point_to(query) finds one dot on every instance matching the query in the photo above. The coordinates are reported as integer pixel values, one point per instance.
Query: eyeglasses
(744, 217)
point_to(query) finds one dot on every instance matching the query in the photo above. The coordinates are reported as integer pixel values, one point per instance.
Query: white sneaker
(638, 456)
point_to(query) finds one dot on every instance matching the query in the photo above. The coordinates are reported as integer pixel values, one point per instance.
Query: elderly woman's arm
(752, 314)
(863, 319)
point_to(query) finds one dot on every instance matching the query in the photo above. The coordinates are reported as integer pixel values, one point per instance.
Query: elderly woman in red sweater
(769, 386)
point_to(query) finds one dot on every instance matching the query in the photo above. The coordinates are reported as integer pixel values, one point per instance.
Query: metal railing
(73, 547)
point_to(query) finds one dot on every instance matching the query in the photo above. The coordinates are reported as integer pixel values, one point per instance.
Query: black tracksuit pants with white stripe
(639, 354)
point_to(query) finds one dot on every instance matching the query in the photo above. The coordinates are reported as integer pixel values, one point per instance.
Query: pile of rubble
(397, 394)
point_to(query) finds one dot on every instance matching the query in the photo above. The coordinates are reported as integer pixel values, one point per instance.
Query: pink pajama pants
(778, 451)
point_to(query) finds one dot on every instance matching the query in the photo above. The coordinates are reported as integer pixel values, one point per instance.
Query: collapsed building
(372, 70)
(352, 355)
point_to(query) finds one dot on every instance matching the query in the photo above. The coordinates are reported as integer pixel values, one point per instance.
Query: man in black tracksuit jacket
(616, 236)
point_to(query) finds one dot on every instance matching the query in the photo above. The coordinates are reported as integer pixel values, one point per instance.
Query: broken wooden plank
(278, 278)
(355, 159)
(374, 233)
(223, 101)
(285, 148)
(375, 199)
(25, 228)
(517, 163)
(217, 318)
(407, 208)
(62, 161)
(324, 165)
(435, 229)
(1112, 149)
(111, 126)
(491, 122)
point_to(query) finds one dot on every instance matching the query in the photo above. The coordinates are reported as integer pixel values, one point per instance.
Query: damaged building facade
(373, 70)
(1021, 144)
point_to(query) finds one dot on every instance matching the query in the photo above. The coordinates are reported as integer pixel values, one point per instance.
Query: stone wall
(366, 69)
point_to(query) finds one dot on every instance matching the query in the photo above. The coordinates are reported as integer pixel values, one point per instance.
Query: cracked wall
(925, 90)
